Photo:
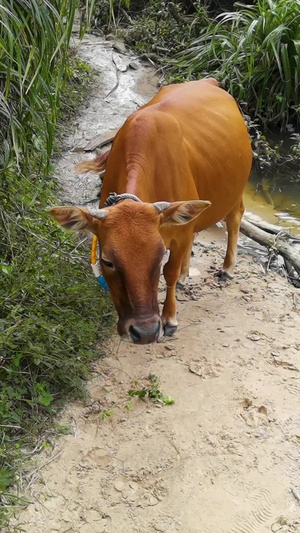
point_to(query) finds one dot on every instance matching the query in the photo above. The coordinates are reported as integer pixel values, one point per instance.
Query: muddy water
(275, 198)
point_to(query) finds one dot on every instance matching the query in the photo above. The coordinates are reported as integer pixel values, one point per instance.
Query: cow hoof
(169, 330)
(180, 286)
(223, 275)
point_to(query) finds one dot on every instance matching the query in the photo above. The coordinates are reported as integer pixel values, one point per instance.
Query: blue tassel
(103, 283)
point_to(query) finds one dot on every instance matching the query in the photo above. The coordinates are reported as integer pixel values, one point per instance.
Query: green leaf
(6, 479)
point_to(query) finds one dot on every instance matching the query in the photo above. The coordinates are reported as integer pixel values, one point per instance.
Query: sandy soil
(224, 458)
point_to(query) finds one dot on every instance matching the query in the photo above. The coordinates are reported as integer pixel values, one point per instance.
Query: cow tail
(96, 165)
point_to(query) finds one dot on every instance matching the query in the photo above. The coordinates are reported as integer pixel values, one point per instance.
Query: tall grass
(34, 42)
(255, 53)
(51, 313)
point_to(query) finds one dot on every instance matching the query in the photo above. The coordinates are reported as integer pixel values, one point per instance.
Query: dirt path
(224, 458)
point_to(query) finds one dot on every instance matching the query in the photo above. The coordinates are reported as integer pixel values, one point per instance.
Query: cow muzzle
(144, 332)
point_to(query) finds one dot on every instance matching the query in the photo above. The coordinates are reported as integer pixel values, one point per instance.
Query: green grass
(52, 312)
(255, 53)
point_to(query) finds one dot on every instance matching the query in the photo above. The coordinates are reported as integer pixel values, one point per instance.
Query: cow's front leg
(172, 270)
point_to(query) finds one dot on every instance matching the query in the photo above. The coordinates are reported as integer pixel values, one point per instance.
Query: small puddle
(275, 198)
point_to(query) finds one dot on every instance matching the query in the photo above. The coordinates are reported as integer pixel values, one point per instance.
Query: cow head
(132, 249)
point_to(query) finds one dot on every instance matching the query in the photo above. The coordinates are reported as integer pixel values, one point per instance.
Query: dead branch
(273, 243)
(270, 228)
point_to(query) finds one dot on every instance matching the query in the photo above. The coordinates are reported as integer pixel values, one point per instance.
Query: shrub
(154, 27)
(255, 53)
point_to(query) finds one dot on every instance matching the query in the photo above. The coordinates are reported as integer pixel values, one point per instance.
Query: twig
(7, 233)
(9, 426)
(295, 302)
(50, 460)
(296, 495)
(126, 15)
(118, 77)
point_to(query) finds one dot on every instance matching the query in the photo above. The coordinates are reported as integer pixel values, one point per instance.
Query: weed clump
(152, 392)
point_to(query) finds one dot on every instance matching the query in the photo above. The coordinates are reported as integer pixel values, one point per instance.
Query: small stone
(196, 368)
(254, 336)
(119, 46)
(130, 495)
(159, 527)
(133, 485)
(92, 516)
(119, 485)
(152, 500)
(148, 500)
(263, 410)
(134, 65)
(86, 528)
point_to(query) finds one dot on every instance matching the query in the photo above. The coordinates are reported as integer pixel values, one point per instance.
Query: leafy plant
(106, 414)
(153, 392)
(255, 53)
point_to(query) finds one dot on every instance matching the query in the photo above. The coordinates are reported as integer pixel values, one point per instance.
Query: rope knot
(114, 198)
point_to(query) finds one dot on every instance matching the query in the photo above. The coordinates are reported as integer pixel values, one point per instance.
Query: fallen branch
(270, 228)
(274, 243)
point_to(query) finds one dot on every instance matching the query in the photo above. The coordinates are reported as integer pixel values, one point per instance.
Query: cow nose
(144, 335)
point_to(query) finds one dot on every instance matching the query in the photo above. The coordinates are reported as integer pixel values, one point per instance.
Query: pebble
(134, 65)
(119, 485)
(119, 46)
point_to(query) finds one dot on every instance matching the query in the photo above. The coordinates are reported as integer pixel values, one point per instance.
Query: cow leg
(185, 267)
(172, 270)
(233, 221)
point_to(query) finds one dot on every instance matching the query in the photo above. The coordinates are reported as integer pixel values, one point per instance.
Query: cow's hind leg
(233, 221)
(172, 270)
(185, 267)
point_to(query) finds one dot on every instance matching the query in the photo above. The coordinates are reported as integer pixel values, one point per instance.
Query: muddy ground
(224, 458)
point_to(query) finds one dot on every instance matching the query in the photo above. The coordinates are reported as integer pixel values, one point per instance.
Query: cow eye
(108, 264)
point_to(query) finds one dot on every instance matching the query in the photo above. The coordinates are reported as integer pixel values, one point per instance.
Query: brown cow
(187, 156)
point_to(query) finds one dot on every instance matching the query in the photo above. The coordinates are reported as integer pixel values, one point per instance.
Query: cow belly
(223, 187)
(220, 165)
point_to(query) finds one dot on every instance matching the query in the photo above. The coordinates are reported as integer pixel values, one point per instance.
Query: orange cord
(94, 250)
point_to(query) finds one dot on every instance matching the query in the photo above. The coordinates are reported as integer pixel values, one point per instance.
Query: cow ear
(181, 212)
(76, 218)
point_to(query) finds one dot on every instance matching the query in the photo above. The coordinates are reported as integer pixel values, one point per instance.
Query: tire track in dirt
(262, 509)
